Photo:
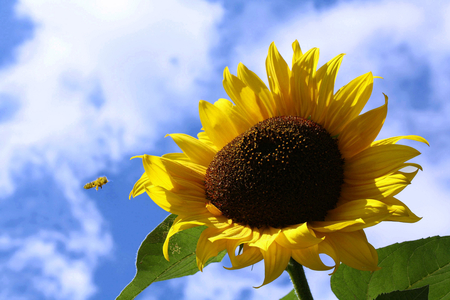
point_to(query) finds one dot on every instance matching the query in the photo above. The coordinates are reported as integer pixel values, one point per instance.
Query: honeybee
(99, 182)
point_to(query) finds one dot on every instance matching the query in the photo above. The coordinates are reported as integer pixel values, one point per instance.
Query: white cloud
(62, 277)
(347, 27)
(215, 282)
(91, 86)
(141, 60)
(233, 284)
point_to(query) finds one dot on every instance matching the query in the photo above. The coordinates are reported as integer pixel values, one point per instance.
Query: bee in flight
(99, 182)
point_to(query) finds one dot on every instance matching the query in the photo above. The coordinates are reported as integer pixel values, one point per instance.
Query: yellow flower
(293, 171)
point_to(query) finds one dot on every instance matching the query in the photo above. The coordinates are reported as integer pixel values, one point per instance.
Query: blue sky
(85, 85)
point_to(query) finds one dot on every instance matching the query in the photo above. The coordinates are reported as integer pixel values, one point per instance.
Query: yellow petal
(370, 211)
(139, 186)
(181, 157)
(184, 170)
(207, 249)
(325, 86)
(256, 235)
(297, 236)
(266, 104)
(320, 75)
(204, 138)
(297, 51)
(217, 124)
(309, 257)
(266, 237)
(362, 131)
(244, 98)
(379, 188)
(207, 219)
(402, 213)
(357, 209)
(332, 226)
(348, 103)
(157, 172)
(197, 151)
(166, 171)
(224, 104)
(378, 161)
(276, 259)
(240, 235)
(303, 85)
(354, 250)
(189, 187)
(172, 202)
(237, 115)
(196, 169)
(278, 77)
(326, 248)
(213, 209)
(395, 139)
(235, 232)
(249, 256)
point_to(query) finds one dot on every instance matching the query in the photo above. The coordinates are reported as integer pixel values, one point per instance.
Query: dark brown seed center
(283, 171)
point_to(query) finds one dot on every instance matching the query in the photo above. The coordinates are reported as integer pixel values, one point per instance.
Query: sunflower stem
(298, 278)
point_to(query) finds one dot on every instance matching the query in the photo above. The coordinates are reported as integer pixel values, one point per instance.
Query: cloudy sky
(85, 85)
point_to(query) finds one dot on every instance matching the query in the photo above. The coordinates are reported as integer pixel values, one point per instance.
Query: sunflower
(287, 172)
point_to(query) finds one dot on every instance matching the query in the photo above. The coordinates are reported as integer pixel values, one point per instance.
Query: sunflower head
(289, 171)
(283, 171)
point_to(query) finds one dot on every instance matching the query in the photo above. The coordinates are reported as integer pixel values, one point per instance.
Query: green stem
(298, 278)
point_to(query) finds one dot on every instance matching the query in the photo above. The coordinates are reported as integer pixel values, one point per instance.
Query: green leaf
(151, 264)
(415, 294)
(404, 266)
(291, 296)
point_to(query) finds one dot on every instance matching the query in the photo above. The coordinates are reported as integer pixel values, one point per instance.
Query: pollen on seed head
(283, 171)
